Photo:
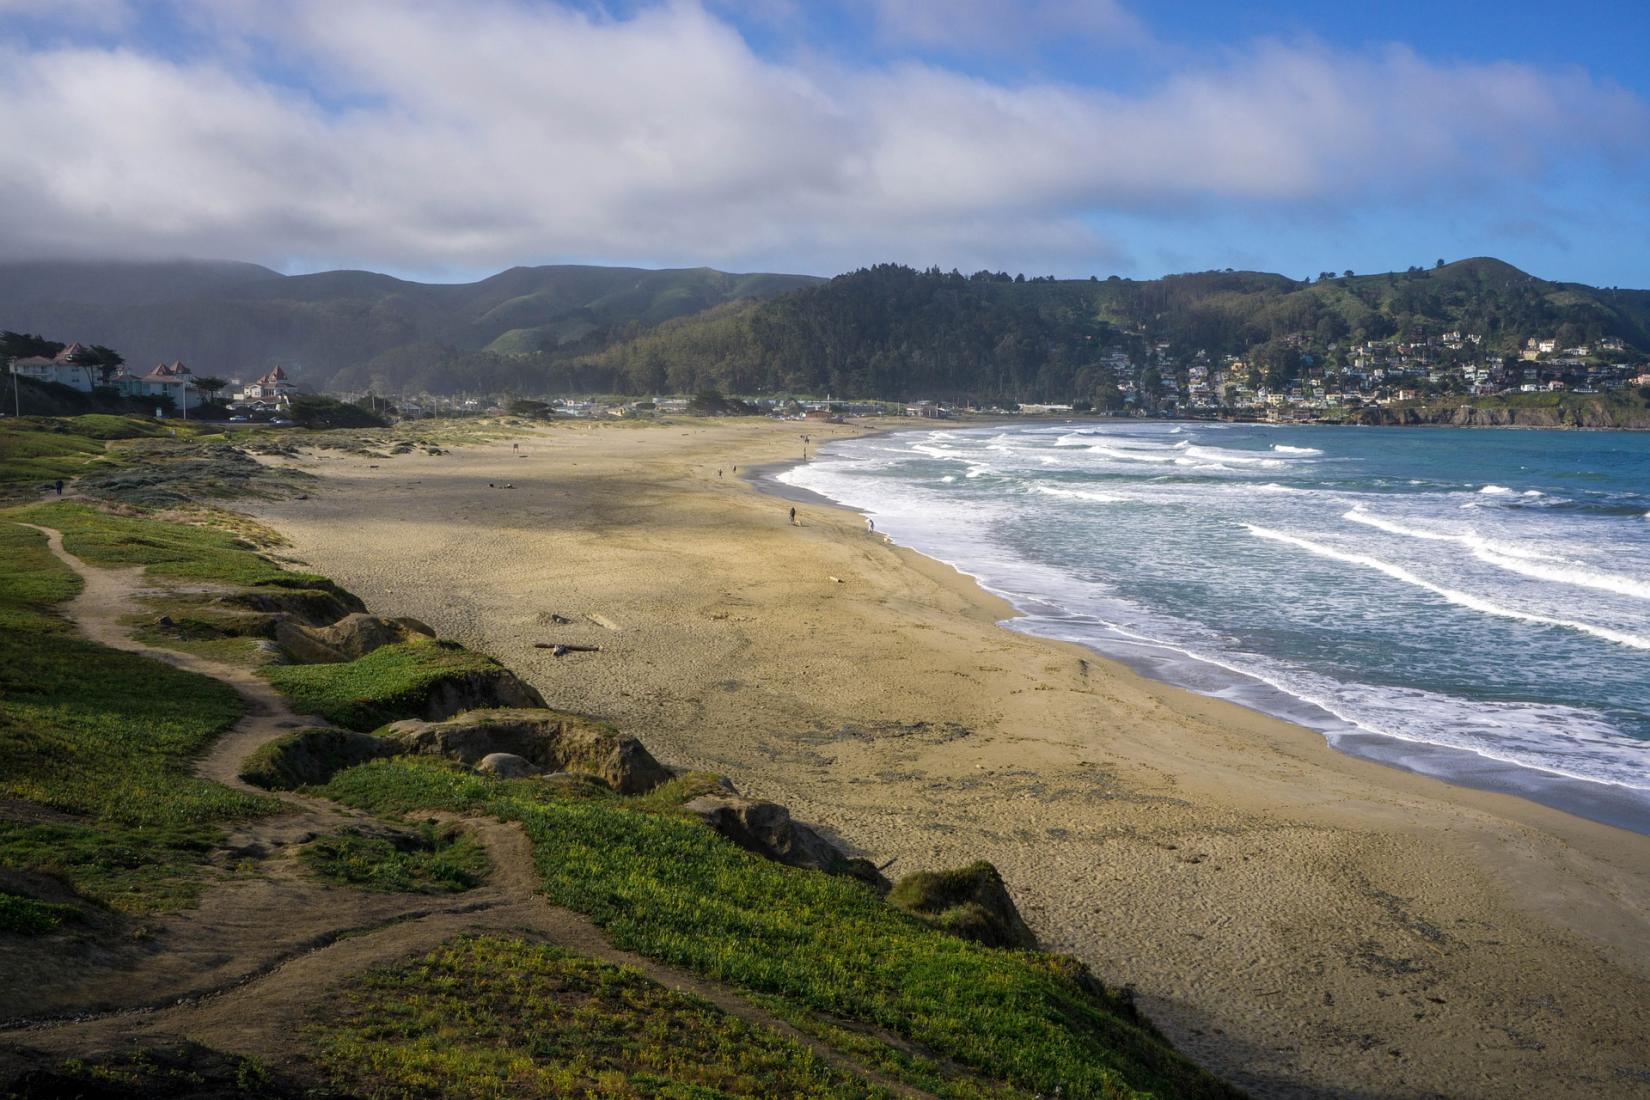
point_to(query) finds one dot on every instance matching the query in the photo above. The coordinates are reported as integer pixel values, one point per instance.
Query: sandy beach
(1299, 921)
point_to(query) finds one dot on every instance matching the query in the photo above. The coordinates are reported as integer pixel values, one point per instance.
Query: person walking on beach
(793, 517)
(870, 525)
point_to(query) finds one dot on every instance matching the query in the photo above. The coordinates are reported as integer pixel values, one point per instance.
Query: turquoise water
(1469, 603)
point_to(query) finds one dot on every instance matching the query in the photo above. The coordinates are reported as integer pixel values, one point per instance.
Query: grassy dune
(668, 888)
(104, 740)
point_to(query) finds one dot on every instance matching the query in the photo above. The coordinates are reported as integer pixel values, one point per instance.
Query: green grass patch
(492, 1016)
(23, 916)
(110, 426)
(389, 683)
(32, 580)
(671, 889)
(199, 623)
(105, 738)
(30, 457)
(429, 859)
(165, 1072)
(167, 549)
(899, 1063)
(134, 869)
(174, 472)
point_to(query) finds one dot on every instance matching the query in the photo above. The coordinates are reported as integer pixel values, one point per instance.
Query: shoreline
(1301, 921)
(1590, 800)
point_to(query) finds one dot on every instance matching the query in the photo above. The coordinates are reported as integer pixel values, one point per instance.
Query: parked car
(281, 422)
(239, 419)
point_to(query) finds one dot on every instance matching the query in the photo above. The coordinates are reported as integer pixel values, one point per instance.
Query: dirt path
(109, 595)
(242, 970)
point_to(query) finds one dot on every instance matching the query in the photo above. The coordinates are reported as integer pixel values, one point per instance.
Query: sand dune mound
(546, 739)
(313, 606)
(971, 902)
(351, 637)
(768, 829)
(311, 756)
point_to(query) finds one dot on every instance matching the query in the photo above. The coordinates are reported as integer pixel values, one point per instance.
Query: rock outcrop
(1592, 413)
(768, 829)
(352, 636)
(458, 692)
(313, 606)
(311, 756)
(506, 765)
(549, 740)
(971, 902)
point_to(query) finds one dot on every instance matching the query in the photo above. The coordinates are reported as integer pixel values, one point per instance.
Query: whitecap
(1495, 490)
(1080, 494)
(1463, 599)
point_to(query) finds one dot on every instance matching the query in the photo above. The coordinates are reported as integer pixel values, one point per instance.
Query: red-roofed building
(272, 389)
(172, 380)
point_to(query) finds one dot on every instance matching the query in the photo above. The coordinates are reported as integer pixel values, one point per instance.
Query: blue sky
(446, 140)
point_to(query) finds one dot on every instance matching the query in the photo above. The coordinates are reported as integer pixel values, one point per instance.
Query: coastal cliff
(1598, 412)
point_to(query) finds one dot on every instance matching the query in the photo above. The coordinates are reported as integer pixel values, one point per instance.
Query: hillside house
(172, 380)
(270, 390)
(75, 366)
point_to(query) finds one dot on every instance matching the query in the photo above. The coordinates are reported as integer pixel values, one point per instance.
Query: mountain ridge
(234, 318)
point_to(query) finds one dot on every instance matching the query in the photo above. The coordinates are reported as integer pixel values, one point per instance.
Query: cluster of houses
(1374, 372)
(173, 386)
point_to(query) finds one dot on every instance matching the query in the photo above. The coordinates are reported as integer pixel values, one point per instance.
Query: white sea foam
(1469, 539)
(1463, 599)
(1495, 490)
(1226, 454)
(1285, 449)
(1568, 573)
(1080, 494)
(1518, 559)
(1129, 454)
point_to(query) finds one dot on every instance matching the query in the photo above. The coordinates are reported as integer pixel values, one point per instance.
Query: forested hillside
(893, 332)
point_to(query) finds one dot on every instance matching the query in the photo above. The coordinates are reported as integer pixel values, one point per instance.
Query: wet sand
(1300, 921)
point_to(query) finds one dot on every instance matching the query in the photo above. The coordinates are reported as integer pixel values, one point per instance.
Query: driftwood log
(559, 649)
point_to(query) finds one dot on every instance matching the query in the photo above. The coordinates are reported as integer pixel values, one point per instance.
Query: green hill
(237, 319)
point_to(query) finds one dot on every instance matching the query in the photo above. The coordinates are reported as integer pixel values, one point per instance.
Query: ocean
(1471, 604)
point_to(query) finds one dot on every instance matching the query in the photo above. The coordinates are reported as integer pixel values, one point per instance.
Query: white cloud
(468, 135)
(998, 26)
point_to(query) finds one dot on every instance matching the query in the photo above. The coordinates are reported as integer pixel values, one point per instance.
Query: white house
(173, 380)
(70, 367)
(271, 389)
